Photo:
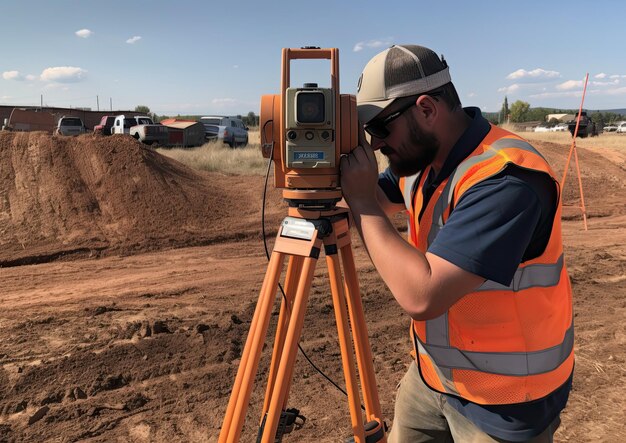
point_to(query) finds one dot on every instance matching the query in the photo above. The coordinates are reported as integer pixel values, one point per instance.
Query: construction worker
(482, 274)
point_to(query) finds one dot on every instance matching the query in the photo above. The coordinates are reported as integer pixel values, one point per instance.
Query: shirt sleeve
(390, 184)
(491, 227)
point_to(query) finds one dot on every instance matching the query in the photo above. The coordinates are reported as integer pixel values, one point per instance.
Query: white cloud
(63, 74)
(579, 93)
(84, 33)
(570, 84)
(31, 77)
(12, 75)
(471, 95)
(614, 76)
(600, 75)
(372, 44)
(616, 91)
(535, 74)
(133, 40)
(510, 89)
(608, 83)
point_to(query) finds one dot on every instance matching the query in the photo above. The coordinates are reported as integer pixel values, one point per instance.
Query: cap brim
(369, 110)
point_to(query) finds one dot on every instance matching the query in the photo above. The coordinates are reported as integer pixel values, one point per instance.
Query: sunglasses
(378, 127)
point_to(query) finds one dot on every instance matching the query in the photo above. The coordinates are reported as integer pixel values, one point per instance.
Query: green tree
(519, 111)
(251, 119)
(504, 112)
(538, 114)
(143, 109)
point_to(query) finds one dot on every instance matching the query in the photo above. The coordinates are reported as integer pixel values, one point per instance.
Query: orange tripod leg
(242, 388)
(291, 281)
(345, 344)
(290, 349)
(361, 340)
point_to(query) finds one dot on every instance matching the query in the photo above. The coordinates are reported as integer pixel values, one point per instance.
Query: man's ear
(427, 109)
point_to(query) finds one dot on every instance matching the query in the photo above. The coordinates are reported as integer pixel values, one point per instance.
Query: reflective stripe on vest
(448, 191)
(502, 363)
(532, 276)
(410, 183)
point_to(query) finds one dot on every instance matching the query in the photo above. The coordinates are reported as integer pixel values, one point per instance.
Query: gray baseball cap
(399, 71)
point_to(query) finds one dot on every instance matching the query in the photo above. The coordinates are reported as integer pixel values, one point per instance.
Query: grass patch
(609, 140)
(219, 157)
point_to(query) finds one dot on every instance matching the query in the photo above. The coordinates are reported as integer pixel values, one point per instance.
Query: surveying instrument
(310, 128)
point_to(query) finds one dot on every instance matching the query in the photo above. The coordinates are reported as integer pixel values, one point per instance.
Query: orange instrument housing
(307, 183)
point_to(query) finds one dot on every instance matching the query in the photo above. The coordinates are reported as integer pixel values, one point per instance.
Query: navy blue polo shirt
(496, 225)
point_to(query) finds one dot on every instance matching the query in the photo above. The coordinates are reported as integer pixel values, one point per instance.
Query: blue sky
(193, 57)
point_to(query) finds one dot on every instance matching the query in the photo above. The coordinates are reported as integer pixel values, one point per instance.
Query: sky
(208, 57)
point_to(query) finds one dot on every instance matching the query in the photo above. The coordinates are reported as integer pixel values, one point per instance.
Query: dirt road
(139, 345)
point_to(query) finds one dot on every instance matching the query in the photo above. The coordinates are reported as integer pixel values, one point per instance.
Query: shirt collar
(466, 144)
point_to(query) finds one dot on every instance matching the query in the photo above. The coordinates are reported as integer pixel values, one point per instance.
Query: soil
(128, 282)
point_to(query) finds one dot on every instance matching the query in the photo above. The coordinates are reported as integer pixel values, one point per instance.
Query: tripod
(300, 238)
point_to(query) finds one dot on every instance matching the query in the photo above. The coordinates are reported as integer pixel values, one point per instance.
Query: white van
(70, 126)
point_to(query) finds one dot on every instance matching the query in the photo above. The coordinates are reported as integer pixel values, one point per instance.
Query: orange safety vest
(498, 344)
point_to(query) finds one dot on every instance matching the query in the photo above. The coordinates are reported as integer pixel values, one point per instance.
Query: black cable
(269, 163)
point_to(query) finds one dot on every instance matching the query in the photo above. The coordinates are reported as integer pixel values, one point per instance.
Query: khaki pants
(423, 415)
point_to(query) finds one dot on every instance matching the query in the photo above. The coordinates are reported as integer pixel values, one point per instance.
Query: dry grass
(216, 156)
(609, 140)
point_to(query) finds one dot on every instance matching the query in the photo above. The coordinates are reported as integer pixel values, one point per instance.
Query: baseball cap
(398, 71)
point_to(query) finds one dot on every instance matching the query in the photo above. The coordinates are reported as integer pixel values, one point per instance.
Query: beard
(413, 157)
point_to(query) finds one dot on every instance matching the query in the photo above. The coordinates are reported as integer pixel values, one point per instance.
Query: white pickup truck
(140, 127)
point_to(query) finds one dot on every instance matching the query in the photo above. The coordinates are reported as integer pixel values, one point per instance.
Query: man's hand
(359, 175)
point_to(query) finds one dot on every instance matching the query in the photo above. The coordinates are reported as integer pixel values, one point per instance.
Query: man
(482, 276)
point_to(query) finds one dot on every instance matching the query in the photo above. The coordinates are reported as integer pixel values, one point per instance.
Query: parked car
(621, 128)
(542, 129)
(70, 126)
(611, 127)
(105, 125)
(140, 127)
(561, 127)
(230, 130)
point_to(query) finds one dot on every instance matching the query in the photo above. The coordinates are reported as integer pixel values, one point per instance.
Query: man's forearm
(405, 270)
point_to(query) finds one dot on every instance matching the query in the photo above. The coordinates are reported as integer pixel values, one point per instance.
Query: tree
(143, 109)
(251, 119)
(504, 112)
(537, 114)
(519, 111)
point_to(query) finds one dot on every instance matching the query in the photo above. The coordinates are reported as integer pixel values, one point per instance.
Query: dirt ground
(128, 282)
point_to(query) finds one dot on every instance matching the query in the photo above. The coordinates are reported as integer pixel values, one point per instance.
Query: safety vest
(498, 344)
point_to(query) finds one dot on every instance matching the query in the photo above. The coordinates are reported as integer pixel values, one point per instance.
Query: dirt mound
(604, 189)
(88, 194)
